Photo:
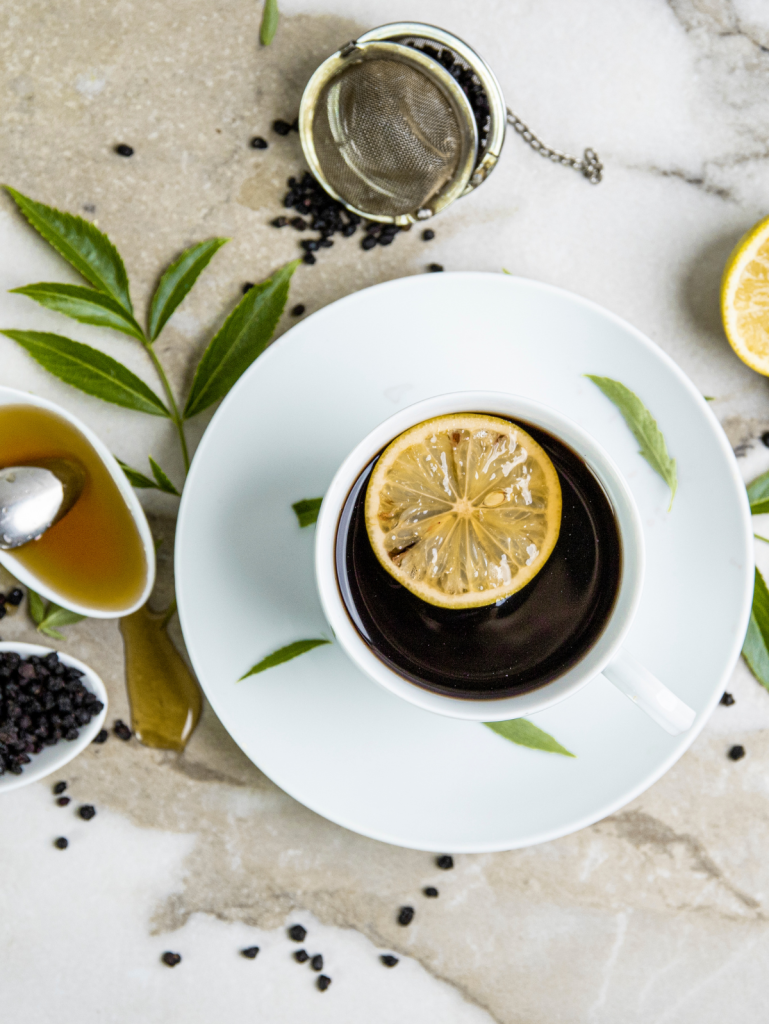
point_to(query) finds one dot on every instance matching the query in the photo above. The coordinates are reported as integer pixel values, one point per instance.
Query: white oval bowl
(51, 759)
(10, 396)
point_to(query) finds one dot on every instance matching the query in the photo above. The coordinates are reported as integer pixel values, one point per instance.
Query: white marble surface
(656, 914)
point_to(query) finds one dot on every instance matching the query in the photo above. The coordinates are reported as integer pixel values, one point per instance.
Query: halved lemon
(463, 510)
(745, 298)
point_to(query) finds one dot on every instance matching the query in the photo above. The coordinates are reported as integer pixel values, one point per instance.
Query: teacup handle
(652, 696)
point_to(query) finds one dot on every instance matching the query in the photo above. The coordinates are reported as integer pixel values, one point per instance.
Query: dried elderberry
(297, 933)
(406, 915)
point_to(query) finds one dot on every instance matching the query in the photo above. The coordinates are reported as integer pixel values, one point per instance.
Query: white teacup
(606, 654)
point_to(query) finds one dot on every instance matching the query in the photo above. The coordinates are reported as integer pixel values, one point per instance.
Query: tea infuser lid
(407, 118)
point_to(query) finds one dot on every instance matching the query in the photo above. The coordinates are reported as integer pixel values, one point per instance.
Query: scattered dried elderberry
(726, 699)
(309, 258)
(297, 933)
(63, 801)
(122, 731)
(41, 702)
(323, 982)
(765, 438)
(250, 953)
(319, 212)
(59, 788)
(248, 286)
(87, 811)
(389, 960)
(406, 915)
(368, 242)
(317, 962)
(15, 597)
(428, 235)
(279, 222)
(430, 891)
(445, 862)
(258, 142)
(435, 268)
(281, 127)
(297, 310)
(61, 843)
(301, 956)
(3, 611)
(172, 959)
(123, 150)
(737, 752)
(102, 737)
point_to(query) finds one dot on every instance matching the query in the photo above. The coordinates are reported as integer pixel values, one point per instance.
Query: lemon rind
(471, 599)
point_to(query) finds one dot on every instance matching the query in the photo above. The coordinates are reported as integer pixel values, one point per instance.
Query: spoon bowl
(33, 498)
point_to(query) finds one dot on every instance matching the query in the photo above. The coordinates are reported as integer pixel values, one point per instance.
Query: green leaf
(81, 244)
(51, 632)
(525, 733)
(178, 280)
(244, 335)
(644, 428)
(163, 483)
(37, 607)
(83, 304)
(89, 370)
(284, 654)
(269, 22)
(135, 478)
(307, 510)
(758, 495)
(57, 616)
(755, 650)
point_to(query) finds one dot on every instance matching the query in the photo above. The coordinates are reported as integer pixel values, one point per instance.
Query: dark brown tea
(507, 648)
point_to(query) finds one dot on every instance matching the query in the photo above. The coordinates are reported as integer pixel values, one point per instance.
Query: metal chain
(589, 166)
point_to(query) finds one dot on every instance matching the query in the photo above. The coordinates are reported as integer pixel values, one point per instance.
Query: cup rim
(27, 578)
(631, 540)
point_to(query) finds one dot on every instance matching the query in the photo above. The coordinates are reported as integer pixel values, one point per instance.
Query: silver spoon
(33, 498)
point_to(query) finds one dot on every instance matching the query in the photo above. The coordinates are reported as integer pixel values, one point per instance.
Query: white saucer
(321, 730)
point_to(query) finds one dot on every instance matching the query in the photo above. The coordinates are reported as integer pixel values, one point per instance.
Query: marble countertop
(655, 914)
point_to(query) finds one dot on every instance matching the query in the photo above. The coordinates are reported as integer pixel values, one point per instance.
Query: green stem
(759, 537)
(175, 415)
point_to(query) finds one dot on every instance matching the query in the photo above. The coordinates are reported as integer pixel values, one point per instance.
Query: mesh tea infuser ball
(407, 118)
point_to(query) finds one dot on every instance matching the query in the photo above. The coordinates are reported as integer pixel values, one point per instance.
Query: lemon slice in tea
(463, 510)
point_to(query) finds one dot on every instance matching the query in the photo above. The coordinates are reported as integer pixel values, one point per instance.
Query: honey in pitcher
(94, 556)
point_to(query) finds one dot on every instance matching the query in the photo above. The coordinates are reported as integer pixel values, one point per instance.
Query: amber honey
(94, 556)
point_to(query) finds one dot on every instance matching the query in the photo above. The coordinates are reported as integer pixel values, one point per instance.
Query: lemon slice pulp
(745, 298)
(463, 510)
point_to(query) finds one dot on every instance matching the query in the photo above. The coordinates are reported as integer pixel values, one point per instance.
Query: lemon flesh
(463, 510)
(745, 298)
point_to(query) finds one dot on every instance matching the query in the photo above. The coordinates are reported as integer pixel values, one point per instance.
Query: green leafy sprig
(755, 650)
(644, 428)
(270, 17)
(307, 510)
(526, 734)
(47, 616)
(284, 654)
(107, 303)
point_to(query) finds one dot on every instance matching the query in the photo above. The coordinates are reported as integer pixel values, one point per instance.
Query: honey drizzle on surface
(165, 698)
(94, 556)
